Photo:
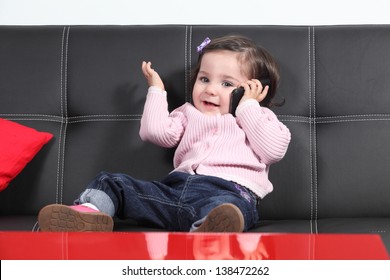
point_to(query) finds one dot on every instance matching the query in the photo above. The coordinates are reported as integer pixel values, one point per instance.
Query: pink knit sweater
(237, 149)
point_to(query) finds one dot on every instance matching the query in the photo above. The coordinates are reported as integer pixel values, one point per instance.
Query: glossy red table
(189, 246)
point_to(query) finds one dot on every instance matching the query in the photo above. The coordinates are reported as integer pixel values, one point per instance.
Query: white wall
(271, 12)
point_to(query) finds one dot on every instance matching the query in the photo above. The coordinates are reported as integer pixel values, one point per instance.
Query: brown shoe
(224, 218)
(57, 217)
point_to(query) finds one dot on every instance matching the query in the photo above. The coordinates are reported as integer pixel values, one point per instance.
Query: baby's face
(220, 72)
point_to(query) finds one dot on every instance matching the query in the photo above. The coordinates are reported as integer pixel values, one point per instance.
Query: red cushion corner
(18, 146)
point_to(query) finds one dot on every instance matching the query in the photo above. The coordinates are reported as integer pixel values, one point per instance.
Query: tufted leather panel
(84, 85)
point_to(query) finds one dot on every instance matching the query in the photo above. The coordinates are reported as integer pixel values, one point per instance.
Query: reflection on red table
(189, 246)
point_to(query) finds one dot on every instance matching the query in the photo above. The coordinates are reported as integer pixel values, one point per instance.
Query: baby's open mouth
(207, 103)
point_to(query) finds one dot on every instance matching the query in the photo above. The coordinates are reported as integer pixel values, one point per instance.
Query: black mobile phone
(237, 94)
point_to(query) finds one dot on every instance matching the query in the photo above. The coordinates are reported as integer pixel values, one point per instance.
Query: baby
(221, 162)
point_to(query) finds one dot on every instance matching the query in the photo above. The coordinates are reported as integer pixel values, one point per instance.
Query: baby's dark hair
(260, 62)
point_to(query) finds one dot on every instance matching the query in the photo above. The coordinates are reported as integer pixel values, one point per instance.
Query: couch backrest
(84, 85)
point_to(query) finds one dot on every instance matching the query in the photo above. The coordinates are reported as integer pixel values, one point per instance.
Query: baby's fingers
(146, 68)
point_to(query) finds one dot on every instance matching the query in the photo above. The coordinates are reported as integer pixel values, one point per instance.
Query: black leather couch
(84, 85)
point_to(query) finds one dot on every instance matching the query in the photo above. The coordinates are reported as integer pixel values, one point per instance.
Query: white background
(130, 12)
(112, 270)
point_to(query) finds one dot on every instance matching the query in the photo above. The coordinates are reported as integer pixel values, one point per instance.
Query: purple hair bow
(205, 42)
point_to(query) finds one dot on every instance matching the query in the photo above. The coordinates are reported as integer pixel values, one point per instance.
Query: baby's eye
(203, 79)
(227, 84)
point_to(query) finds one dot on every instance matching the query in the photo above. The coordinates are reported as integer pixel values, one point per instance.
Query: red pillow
(18, 146)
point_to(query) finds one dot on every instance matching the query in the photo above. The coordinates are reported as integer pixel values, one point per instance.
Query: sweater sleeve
(157, 125)
(267, 136)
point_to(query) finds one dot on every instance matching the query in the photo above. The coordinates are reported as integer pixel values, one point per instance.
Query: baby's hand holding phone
(238, 93)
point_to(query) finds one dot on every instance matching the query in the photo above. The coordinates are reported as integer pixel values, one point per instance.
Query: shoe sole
(223, 218)
(57, 217)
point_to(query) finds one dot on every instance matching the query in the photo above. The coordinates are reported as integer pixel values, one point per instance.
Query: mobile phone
(237, 94)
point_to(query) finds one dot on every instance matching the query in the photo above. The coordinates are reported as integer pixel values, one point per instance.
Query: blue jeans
(180, 202)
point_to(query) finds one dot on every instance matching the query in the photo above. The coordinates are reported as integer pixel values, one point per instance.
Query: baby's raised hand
(151, 76)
